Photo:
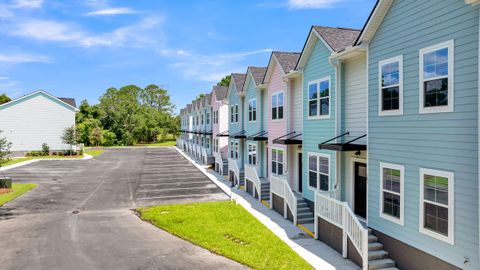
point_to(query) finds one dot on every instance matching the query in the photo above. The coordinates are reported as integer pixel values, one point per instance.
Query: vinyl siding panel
(443, 141)
(317, 130)
(297, 106)
(233, 128)
(34, 121)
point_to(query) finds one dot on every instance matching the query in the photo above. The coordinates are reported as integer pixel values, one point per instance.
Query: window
(215, 117)
(391, 86)
(232, 150)
(277, 106)
(252, 154)
(319, 98)
(208, 143)
(215, 145)
(236, 150)
(252, 110)
(208, 118)
(391, 192)
(202, 141)
(202, 118)
(277, 161)
(232, 114)
(436, 78)
(318, 171)
(236, 113)
(436, 199)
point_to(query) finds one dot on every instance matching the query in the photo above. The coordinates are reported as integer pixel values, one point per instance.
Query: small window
(252, 110)
(277, 106)
(277, 161)
(208, 118)
(202, 142)
(202, 118)
(391, 204)
(232, 150)
(391, 86)
(236, 113)
(236, 150)
(252, 154)
(319, 98)
(232, 114)
(208, 143)
(436, 209)
(318, 171)
(436, 78)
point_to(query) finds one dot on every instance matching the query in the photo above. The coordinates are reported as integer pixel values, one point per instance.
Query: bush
(45, 149)
(35, 154)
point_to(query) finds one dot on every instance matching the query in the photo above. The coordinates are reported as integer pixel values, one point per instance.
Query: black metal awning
(239, 135)
(289, 138)
(223, 134)
(346, 146)
(259, 136)
(206, 133)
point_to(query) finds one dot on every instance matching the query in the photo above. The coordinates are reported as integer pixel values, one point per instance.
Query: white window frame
(207, 118)
(271, 106)
(232, 114)
(451, 206)
(252, 152)
(398, 111)
(232, 149)
(236, 113)
(400, 168)
(450, 45)
(252, 111)
(283, 161)
(318, 155)
(317, 82)
(237, 150)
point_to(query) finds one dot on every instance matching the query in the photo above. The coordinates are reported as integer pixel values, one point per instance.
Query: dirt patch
(5, 190)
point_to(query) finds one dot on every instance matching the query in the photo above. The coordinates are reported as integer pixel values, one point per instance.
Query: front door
(360, 189)
(300, 174)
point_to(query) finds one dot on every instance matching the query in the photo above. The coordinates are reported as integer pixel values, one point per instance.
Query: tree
(225, 81)
(69, 137)
(4, 99)
(96, 136)
(200, 96)
(5, 146)
(157, 98)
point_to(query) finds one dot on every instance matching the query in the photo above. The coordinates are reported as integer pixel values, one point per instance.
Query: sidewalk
(318, 254)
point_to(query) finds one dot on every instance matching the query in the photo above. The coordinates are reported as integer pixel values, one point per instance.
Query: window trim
(400, 168)
(251, 100)
(316, 154)
(450, 45)
(283, 161)
(276, 94)
(318, 116)
(398, 111)
(250, 150)
(451, 205)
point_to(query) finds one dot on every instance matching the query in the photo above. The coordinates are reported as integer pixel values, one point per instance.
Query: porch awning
(259, 136)
(289, 138)
(206, 133)
(239, 135)
(345, 146)
(223, 134)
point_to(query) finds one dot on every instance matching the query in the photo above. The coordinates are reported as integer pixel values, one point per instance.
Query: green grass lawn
(94, 152)
(167, 143)
(228, 230)
(18, 190)
(18, 160)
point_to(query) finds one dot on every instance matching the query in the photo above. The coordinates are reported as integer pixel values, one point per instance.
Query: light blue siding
(443, 141)
(316, 131)
(234, 128)
(251, 93)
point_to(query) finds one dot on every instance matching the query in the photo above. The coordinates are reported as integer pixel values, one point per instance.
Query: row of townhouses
(368, 138)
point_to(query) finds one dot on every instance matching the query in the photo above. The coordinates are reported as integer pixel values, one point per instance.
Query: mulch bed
(5, 190)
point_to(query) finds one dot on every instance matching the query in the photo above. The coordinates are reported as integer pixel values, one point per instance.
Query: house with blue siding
(236, 130)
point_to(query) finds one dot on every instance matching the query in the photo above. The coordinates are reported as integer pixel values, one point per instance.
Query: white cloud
(28, 3)
(111, 11)
(212, 68)
(18, 58)
(311, 4)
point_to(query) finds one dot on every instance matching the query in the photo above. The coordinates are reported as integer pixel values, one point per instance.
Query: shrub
(45, 149)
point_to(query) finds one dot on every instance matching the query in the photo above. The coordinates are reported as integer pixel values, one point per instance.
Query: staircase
(377, 257)
(265, 192)
(241, 180)
(304, 213)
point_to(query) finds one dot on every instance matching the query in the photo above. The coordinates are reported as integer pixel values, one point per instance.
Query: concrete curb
(316, 253)
(85, 157)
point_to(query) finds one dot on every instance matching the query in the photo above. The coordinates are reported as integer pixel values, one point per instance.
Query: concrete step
(377, 254)
(304, 210)
(372, 238)
(374, 246)
(305, 215)
(380, 264)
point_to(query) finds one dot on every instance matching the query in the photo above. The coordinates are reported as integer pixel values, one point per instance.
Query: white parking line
(179, 196)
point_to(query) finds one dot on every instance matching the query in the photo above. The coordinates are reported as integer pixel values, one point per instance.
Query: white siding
(35, 121)
(355, 97)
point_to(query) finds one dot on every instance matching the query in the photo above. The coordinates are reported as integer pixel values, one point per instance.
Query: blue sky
(78, 49)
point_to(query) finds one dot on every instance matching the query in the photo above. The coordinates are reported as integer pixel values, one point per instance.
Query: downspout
(338, 116)
(478, 126)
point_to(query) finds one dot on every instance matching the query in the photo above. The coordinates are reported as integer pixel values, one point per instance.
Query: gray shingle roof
(69, 101)
(220, 92)
(208, 98)
(338, 38)
(287, 60)
(238, 80)
(189, 108)
(203, 100)
(258, 73)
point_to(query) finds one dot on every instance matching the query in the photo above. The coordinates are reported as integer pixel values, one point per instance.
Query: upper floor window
(252, 154)
(319, 98)
(215, 115)
(391, 86)
(232, 114)
(202, 118)
(318, 171)
(277, 161)
(391, 192)
(252, 110)
(236, 113)
(207, 117)
(436, 78)
(436, 209)
(277, 106)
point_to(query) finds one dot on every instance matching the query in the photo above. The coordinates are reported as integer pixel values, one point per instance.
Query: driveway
(80, 215)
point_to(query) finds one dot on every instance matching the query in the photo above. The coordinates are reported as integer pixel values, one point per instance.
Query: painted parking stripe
(178, 196)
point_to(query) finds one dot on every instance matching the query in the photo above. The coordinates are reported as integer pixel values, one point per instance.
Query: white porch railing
(252, 175)
(204, 155)
(279, 185)
(233, 166)
(219, 161)
(340, 214)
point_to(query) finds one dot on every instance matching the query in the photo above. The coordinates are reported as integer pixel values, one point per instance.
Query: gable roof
(286, 60)
(238, 79)
(257, 73)
(374, 20)
(189, 108)
(220, 92)
(208, 99)
(69, 103)
(203, 101)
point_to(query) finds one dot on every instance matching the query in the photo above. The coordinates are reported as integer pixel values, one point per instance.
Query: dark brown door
(300, 174)
(361, 189)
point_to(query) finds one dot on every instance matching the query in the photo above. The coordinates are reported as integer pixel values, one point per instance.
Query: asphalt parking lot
(80, 216)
